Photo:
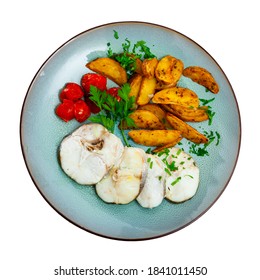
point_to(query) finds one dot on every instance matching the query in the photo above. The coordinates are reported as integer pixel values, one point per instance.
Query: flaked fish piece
(89, 153)
(123, 182)
(153, 191)
(182, 175)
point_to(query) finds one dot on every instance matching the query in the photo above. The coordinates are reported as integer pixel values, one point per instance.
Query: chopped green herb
(167, 171)
(109, 51)
(171, 166)
(126, 46)
(210, 114)
(209, 111)
(151, 164)
(130, 54)
(116, 34)
(206, 101)
(143, 49)
(212, 136)
(165, 151)
(127, 62)
(187, 175)
(176, 181)
(218, 137)
(201, 150)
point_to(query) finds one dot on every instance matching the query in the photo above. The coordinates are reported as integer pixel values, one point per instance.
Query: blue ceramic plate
(42, 132)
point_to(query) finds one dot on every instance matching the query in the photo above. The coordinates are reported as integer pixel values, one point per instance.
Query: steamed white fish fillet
(89, 153)
(97, 139)
(153, 191)
(183, 181)
(123, 182)
(80, 164)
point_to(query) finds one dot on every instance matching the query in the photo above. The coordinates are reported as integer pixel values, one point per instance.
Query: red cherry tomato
(95, 80)
(65, 110)
(71, 91)
(114, 92)
(81, 111)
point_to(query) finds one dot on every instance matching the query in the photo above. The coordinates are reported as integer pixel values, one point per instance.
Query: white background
(34, 238)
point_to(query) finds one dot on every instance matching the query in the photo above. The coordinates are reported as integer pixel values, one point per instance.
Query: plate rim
(156, 25)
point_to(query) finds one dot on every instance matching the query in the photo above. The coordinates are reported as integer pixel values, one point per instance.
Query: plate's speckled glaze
(41, 133)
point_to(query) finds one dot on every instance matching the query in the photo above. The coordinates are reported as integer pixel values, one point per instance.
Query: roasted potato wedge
(169, 145)
(177, 95)
(157, 111)
(163, 71)
(148, 67)
(201, 76)
(135, 83)
(138, 66)
(109, 68)
(144, 119)
(147, 90)
(177, 69)
(161, 86)
(155, 137)
(186, 130)
(168, 71)
(187, 114)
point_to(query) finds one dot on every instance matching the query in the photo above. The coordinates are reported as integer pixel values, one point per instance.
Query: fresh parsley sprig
(103, 119)
(112, 110)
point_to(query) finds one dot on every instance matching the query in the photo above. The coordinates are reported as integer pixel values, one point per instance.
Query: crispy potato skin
(145, 119)
(177, 95)
(148, 67)
(177, 69)
(155, 137)
(168, 71)
(163, 71)
(139, 64)
(186, 130)
(109, 68)
(157, 111)
(169, 145)
(187, 114)
(147, 90)
(135, 84)
(201, 76)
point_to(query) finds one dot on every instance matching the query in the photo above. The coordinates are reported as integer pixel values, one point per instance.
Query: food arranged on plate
(148, 107)
(92, 155)
(89, 152)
